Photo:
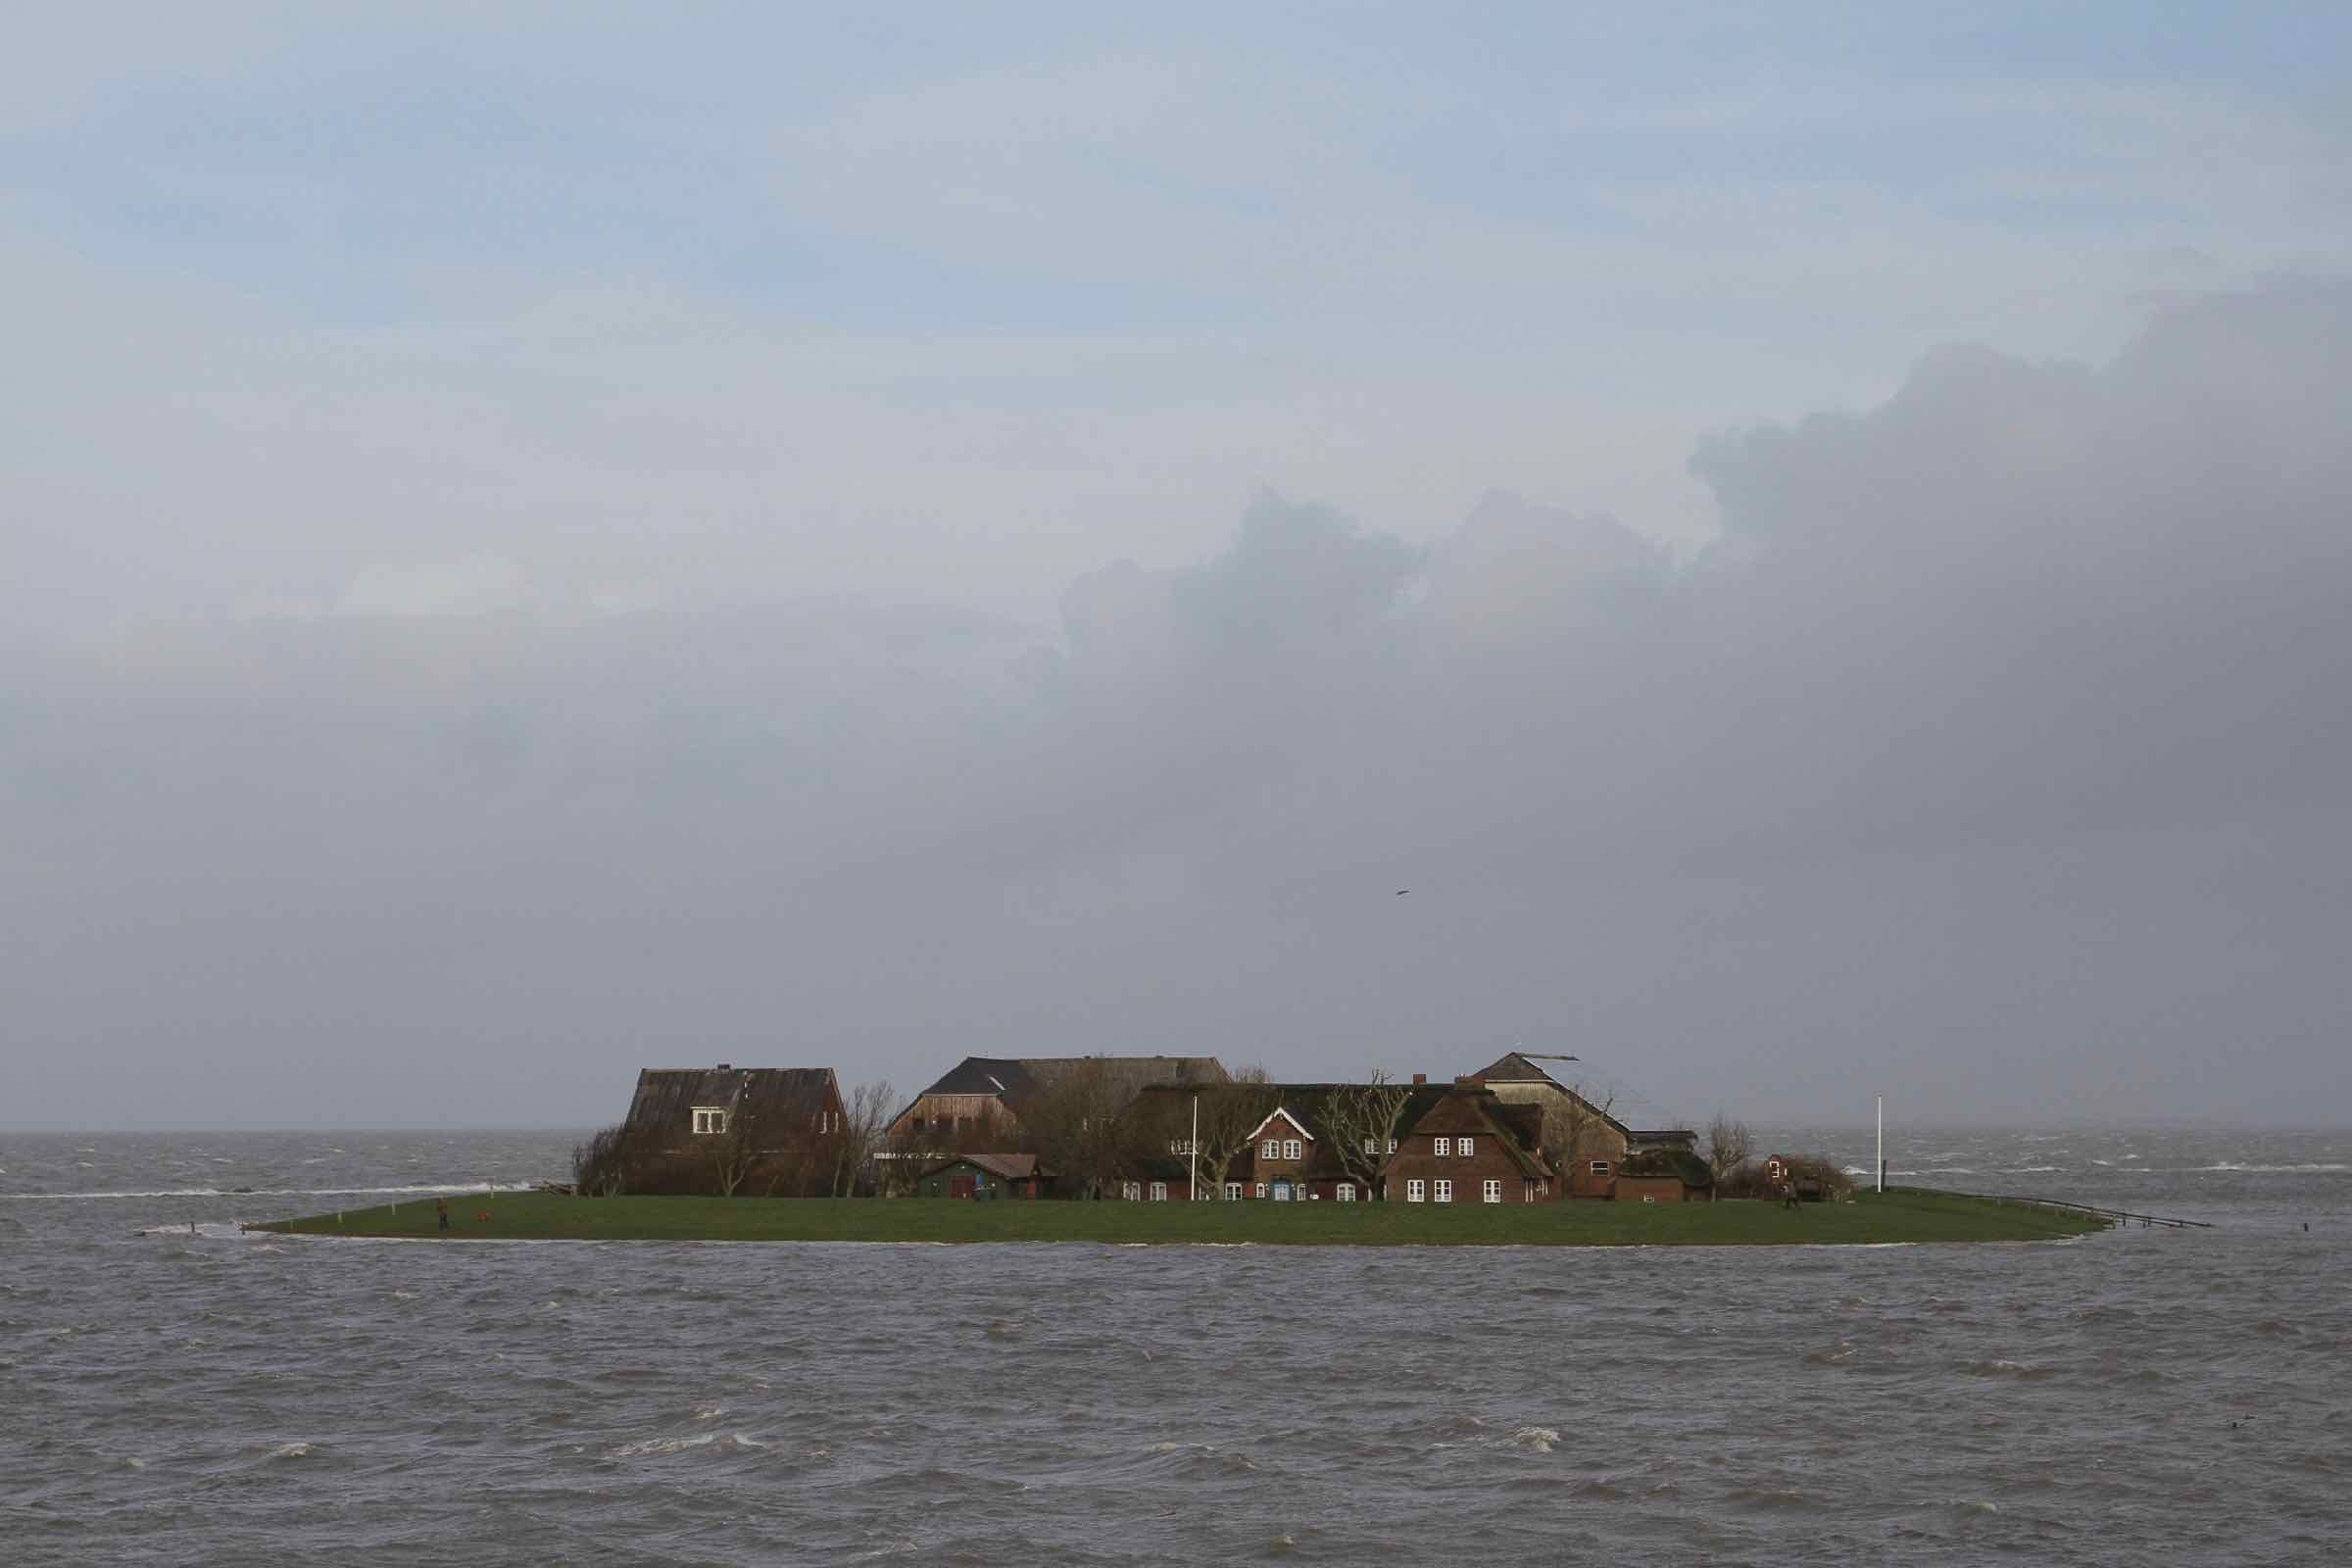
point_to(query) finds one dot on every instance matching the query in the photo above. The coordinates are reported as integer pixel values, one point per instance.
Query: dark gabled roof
(1513, 1068)
(1016, 1079)
(986, 1075)
(666, 1097)
(1013, 1167)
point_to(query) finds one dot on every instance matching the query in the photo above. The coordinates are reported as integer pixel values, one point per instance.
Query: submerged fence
(2121, 1216)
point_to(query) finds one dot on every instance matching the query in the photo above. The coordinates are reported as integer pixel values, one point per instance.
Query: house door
(1282, 1191)
(960, 1186)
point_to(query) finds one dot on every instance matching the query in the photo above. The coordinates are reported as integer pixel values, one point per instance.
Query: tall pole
(1881, 1143)
(1192, 1154)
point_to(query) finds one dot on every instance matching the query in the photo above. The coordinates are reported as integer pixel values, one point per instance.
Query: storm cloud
(1995, 754)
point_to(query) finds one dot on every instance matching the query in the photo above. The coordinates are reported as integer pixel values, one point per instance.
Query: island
(1897, 1216)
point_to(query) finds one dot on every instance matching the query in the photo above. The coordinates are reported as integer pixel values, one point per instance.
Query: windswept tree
(1363, 1118)
(599, 1168)
(861, 1128)
(1730, 1144)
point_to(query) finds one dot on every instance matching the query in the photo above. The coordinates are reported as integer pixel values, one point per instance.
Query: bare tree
(861, 1128)
(1576, 1129)
(1363, 1120)
(729, 1155)
(1229, 1114)
(1078, 1125)
(902, 1155)
(1729, 1145)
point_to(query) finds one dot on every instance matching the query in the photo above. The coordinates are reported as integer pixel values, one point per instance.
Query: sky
(1794, 553)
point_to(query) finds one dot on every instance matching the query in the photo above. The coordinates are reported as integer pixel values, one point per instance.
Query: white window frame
(1445, 1147)
(1494, 1190)
(1271, 1149)
(1600, 1167)
(1415, 1191)
(1132, 1192)
(1440, 1191)
(1291, 1148)
(1261, 1188)
(709, 1119)
(1160, 1192)
(1233, 1192)
(1371, 1146)
(1461, 1146)
(1346, 1191)
(1392, 1146)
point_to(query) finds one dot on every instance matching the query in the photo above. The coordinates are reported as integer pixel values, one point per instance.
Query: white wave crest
(653, 1448)
(2271, 1170)
(421, 1190)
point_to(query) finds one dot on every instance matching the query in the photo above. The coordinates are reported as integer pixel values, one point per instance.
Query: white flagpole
(1192, 1180)
(1881, 1143)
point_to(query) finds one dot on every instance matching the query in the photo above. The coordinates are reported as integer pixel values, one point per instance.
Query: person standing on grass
(441, 1206)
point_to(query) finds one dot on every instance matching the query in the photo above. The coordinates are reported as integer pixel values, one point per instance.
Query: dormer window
(709, 1119)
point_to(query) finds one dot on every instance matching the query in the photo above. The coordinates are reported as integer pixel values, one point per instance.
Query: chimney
(1420, 1077)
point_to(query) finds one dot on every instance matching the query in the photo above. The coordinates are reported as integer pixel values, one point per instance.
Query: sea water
(2145, 1395)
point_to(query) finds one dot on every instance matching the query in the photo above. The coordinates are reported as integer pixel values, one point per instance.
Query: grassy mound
(1895, 1216)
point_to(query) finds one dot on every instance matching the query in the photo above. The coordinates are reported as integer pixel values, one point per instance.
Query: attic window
(709, 1119)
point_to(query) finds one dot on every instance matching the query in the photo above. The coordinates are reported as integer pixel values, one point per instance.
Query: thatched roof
(780, 1098)
(1018, 1080)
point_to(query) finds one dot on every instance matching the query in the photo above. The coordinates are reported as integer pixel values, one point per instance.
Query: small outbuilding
(983, 1176)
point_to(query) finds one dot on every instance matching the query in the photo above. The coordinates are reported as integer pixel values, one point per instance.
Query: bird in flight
(1401, 891)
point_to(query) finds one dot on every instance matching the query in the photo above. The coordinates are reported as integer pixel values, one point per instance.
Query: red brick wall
(1658, 1188)
(1417, 1159)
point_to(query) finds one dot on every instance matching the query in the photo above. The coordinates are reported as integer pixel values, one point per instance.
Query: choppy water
(2143, 1397)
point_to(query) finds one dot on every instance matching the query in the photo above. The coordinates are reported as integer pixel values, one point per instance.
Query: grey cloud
(1997, 756)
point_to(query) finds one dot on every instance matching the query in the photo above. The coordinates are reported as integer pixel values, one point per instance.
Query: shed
(983, 1176)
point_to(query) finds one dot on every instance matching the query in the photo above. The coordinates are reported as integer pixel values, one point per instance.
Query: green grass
(1898, 1216)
